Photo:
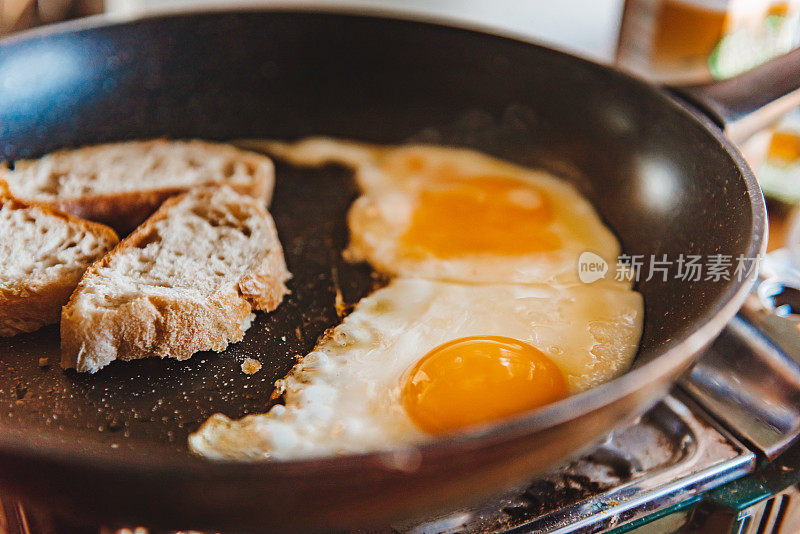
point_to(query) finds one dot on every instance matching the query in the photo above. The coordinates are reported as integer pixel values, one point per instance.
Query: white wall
(585, 27)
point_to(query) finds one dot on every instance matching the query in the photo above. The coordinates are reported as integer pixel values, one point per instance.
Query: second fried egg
(420, 358)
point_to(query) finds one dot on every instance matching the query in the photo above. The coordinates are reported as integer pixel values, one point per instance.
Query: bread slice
(186, 280)
(44, 253)
(121, 184)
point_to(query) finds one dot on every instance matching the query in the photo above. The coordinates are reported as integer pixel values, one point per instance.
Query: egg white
(345, 396)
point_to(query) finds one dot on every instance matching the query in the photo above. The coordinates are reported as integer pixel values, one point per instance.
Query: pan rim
(41, 445)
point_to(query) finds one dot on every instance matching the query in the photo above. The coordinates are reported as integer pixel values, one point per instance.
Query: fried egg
(420, 358)
(457, 215)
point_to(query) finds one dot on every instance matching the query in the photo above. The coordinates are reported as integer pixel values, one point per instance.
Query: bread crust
(168, 326)
(30, 306)
(36, 301)
(125, 211)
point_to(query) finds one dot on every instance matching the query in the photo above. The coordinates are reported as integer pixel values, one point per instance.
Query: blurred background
(18, 15)
(592, 28)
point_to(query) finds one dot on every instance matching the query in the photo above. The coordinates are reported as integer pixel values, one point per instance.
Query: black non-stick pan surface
(112, 446)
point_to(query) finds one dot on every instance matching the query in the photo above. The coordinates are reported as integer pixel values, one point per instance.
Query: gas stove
(653, 468)
(717, 455)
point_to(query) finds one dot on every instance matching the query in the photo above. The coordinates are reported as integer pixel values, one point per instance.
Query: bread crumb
(251, 366)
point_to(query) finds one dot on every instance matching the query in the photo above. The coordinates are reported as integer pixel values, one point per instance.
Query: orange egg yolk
(480, 215)
(477, 379)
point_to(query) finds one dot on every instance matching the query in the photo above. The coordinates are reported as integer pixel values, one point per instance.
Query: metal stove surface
(670, 455)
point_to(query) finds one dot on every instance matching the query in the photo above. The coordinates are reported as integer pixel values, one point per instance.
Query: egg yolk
(480, 215)
(476, 379)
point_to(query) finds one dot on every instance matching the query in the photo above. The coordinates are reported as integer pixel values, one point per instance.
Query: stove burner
(671, 454)
(621, 461)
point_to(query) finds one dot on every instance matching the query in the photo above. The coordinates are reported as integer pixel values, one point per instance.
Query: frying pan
(112, 447)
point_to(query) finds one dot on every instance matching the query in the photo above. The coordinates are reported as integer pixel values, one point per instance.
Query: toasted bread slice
(121, 184)
(44, 254)
(187, 280)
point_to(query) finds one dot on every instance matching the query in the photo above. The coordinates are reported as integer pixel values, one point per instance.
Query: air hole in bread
(237, 211)
(156, 162)
(219, 219)
(51, 188)
(229, 169)
(151, 237)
